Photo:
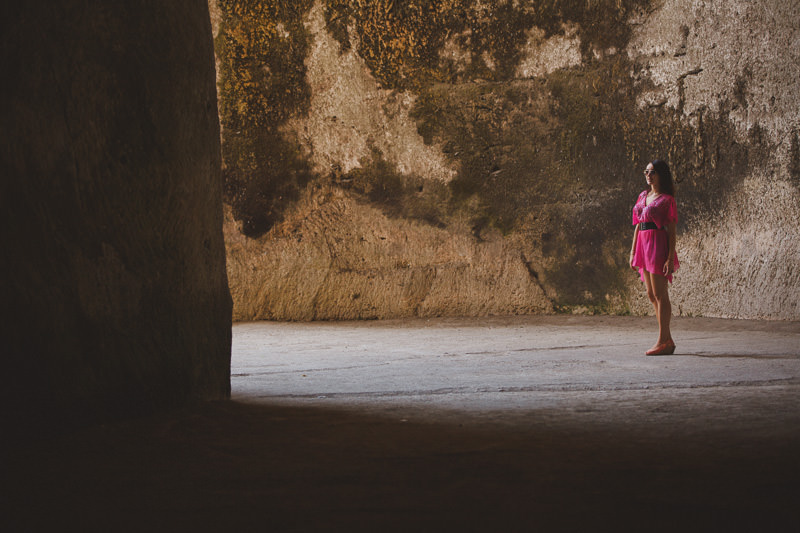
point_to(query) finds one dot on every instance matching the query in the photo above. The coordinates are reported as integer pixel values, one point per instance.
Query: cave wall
(113, 271)
(463, 157)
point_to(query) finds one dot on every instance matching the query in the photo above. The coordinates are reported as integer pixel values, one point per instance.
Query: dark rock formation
(113, 272)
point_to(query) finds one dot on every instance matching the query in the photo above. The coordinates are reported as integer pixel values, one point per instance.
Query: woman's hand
(633, 247)
(669, 266)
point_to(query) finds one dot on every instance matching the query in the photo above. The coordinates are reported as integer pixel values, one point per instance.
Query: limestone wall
(735, 61)
(113, 273)
(464, 157)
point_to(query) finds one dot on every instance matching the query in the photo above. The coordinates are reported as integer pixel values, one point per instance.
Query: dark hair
(665, 182)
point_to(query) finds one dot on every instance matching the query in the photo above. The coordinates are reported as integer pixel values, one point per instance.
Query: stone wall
(114, 281)
(464, 157)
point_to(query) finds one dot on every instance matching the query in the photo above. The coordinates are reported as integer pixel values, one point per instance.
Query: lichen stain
(350, 114)
(261, 46)
(402, 40)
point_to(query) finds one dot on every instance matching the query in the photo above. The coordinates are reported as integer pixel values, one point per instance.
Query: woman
(653, 251)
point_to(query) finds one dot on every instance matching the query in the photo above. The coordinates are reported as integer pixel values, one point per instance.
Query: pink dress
(652, 246)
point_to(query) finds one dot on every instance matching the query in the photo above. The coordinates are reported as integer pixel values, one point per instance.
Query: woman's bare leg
(664, 313)
(658, 293)
(651, 295)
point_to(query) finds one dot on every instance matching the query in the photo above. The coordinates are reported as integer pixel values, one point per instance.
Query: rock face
(114, 279)
(349, 261)
(462, 157)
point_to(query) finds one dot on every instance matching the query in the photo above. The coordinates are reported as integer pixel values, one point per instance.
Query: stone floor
(517, 424)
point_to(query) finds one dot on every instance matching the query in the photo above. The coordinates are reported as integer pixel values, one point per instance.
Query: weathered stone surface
(350, 115)
(520, 130)
(114, 279)
(347, 260)
(736, 61)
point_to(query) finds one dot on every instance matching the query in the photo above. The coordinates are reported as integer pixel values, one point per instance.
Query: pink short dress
(652, 246)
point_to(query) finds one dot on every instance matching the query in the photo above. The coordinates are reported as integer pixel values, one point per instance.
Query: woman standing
(653, 251)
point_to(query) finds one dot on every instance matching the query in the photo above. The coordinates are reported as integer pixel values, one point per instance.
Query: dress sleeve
(635, 217)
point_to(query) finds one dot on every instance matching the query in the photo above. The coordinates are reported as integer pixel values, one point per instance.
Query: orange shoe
(667, 348)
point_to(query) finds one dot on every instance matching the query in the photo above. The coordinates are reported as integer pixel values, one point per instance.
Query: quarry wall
(468, 157)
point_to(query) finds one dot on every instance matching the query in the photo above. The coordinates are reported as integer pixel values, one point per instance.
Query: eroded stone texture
(114, 279)
(347, 260)
(519, 130)
(542, 56)
(734, 62)
(350, 115)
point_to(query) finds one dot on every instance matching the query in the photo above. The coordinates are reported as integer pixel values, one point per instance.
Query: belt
(647, 225)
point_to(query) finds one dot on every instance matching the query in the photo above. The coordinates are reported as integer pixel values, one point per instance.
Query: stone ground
(554, 423)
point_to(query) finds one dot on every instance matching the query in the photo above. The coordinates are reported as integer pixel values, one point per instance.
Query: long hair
(665, 182)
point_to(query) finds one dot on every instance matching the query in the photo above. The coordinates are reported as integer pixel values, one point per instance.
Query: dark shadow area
(113, 277)
(236, 467)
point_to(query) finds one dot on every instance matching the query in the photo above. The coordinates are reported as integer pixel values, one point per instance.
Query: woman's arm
(633, 246)
(669, 265)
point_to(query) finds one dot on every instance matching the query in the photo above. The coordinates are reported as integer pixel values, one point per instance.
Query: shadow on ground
(237, 467)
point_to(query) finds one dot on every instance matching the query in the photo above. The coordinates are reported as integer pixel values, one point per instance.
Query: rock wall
(734, 61)
(114, 280)
(464, 157)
